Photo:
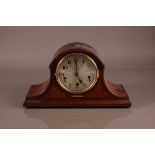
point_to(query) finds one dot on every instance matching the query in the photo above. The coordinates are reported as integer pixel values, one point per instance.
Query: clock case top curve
(50, 90)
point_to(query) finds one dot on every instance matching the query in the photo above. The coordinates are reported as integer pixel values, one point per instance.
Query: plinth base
(81, 103)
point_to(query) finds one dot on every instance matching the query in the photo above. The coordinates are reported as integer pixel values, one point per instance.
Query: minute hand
(76, 72)
(75, 60)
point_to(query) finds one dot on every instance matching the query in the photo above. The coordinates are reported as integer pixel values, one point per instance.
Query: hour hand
(80, 80)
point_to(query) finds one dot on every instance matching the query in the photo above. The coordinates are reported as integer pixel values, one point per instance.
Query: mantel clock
(77, 80)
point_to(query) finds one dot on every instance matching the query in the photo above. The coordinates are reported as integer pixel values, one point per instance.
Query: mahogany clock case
(103, 94)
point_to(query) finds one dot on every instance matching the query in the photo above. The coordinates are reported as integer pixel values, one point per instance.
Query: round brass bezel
(69, 90)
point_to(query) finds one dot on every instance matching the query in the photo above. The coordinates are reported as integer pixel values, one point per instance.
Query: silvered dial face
(76, 73)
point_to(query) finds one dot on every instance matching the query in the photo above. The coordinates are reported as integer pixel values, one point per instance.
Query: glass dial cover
(77, 73)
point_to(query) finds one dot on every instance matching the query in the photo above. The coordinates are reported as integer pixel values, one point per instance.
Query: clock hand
(76, 73)
(75, 60)
(80, 80)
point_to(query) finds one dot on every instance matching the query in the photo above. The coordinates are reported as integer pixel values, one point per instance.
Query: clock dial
(77, 73)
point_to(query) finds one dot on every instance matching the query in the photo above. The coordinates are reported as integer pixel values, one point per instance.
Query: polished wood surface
(103, 94)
